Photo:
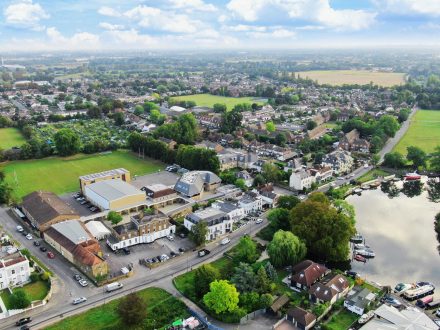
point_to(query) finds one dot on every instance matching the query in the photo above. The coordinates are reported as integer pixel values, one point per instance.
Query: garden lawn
(10, 137)
(162, 309)
(60, 175)
(423, 132)
(208, 100)
(35, 291)
(341, 320)
(373, 174)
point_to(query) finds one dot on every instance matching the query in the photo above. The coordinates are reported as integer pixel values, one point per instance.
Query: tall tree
(435, 159)
(198, 233)
(222, 297)
(245, 251)
(67, 142)
(394, 159)
(270, 172)
(263, 281)
(417, 156)
(285, 249)
(219, 108)
(288, 202)
(325, 231)
(203, 277)
(244, 278)
(279, 218)
(132, 309)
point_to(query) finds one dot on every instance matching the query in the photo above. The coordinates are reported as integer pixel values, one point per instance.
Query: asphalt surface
(66, 288)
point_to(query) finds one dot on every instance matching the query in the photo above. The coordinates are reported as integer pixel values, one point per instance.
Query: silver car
(79, 300)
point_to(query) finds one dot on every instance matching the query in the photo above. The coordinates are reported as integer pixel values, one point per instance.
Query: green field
(423, 132)
(60, 175)
(360, 77)
(10, 137)
(162, 309)
(208, 100)
(373, 174)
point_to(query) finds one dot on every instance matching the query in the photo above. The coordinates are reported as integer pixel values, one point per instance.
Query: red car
(50, 255)
(360, 258)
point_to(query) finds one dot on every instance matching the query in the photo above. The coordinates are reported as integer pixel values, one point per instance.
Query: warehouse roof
(113, 189)
(73, 230)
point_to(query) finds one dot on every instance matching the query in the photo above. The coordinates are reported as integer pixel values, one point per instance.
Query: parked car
(173, 254)
(225, 241)
(170, 237)
(29, 236)
(20, 229)
(126, 250)
(182, 250)
(83, 283)
(43, 249)
(23, 320)
(352, 274)
(79, 300)
(83, 202)
(24, 327)
(37, 243)
(259, 220)
(24, 233)
(50, 255)
(77, 277)
(389, 300)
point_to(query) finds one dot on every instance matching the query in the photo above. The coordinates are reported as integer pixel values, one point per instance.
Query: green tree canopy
(270, 126)
(132, 309)
(279, 218)
(222, 297)
(67, 142)
(114, 217)
(198, 233)
(288, 202)
(245, 251)
(394, 159)
(435, 159)
(285, 249)
(244, 278)
(325, 231)
(203, 276)
(19, 299)
(219, 107)
(270, 172)
(417, 156)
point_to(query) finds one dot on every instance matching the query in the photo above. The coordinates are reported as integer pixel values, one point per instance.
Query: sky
(48, 25)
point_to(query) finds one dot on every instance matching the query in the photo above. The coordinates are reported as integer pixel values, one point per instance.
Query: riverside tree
(285, 249)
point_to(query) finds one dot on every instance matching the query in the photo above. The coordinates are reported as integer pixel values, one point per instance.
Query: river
(401, 233)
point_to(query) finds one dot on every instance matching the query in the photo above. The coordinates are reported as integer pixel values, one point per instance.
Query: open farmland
(60, 175)
(208, 100)
(10, 137)
(423, 132)
(360, 77)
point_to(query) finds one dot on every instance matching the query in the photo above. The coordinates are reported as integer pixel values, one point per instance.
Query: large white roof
(114, 189)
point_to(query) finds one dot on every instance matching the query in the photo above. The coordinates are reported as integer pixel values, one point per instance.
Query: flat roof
(157, 187)
(116, 171)
(72, 230)
(114, 189)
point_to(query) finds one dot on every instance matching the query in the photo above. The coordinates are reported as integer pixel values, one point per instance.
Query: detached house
(301, 179)
(329, 290)
(352, 142)
(307, 273)
(358, 299)
(340, 161)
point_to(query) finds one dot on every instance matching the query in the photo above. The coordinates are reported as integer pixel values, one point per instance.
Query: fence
(252, 315)
(203, 320)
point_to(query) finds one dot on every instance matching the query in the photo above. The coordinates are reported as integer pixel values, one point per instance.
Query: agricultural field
(162, 310)
(10, 137)
(88, 130)
(361, 77)
(423, 132)
(208, 100)
(60, 175)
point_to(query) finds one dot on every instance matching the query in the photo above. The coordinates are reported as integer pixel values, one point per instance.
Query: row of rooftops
(104, 174)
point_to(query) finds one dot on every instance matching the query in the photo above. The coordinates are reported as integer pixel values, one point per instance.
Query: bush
(34, 277)
(19, 300)
(45, 276)
(114, 217)
(231, 317)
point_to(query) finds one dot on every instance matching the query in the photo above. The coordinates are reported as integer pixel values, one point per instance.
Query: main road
(60, 305)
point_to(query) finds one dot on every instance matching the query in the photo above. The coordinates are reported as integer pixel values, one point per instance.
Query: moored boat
(412, 176)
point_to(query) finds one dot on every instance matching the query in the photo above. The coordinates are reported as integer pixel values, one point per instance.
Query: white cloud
(132, 38)
(318, 11)
(192, 5)
(151, 17)
(111, 27)
(246, 28)
(276, 33)
(410, 7)
(80, 40)
(25, 14)
(108, 11)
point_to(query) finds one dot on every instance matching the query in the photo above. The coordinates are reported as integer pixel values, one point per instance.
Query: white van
(225, 241)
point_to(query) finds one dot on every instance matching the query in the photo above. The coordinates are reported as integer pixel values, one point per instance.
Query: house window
(13, 272)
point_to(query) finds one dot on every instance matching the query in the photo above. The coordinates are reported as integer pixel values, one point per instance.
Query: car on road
(20, 229)
(37, 243)
(77, 277)
(43, 249)
(24, 327)
(50, 255)
(182, 250)
(126, 250)
(259, 220)
(170, 237)
(225, 241)
(203, 252)
(23, 320)
(79, 300)
(29, 236)
(83, 283)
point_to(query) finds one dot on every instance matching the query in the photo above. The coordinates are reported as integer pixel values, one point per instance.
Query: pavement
(67, 288)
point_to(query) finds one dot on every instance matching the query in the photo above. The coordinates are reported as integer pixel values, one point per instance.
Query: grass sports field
(423, 132)
(162, 310)
(10, 137)
(208, 100)
(361, 77)
(60, 175)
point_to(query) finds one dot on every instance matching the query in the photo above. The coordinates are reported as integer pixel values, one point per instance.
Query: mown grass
(373, 174)
(162, 309)
(341, 320)
(10, 137)
(208, 100)
(35, 291)
(423, 132)
(60, 175)
(360, 77)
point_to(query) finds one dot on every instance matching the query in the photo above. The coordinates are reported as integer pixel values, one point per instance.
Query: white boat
(366, 317)
(403, 287)
(357, 190)
(419, 292)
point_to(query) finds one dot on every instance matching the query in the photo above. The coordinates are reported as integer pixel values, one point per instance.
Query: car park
(43, 249)
(20, 229)
(50, 255)
(29, 236)
(37, 243)
(79, 300)
(83, 283)
(23, 320)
